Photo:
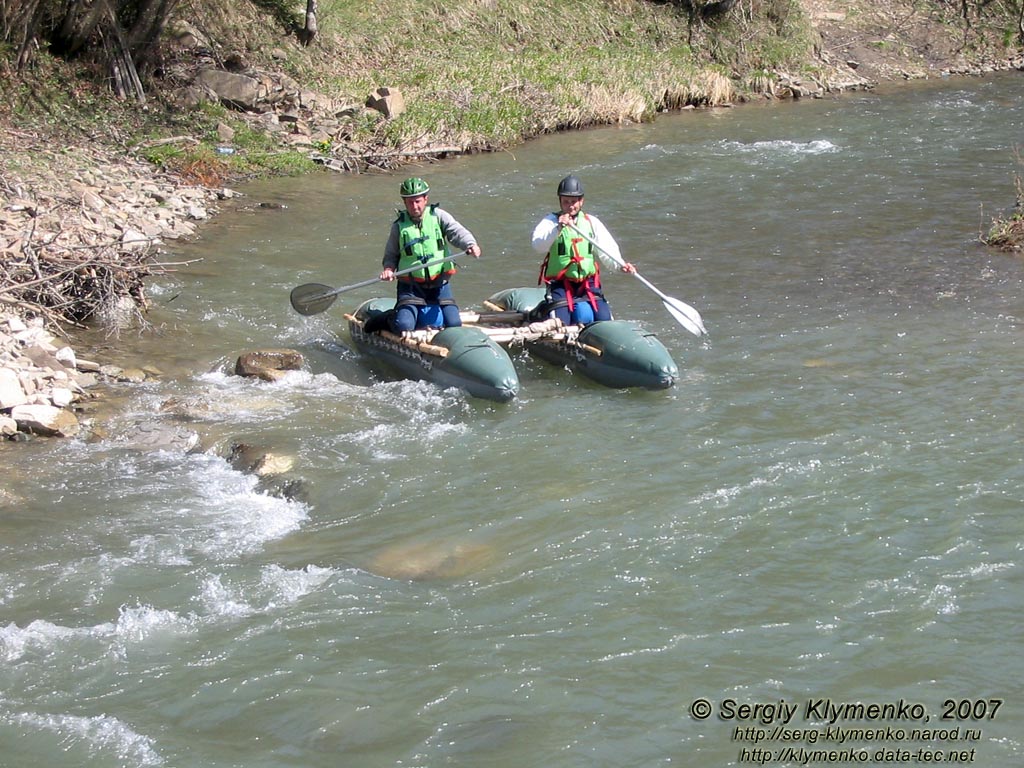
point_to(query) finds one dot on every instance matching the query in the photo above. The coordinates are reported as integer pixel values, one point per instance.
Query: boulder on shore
(39, 381)
(46, 420)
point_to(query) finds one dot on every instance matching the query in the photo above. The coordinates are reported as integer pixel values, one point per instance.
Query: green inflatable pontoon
(464, 357)
(615, 353)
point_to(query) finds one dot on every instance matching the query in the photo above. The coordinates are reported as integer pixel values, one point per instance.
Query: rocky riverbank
(88, 224)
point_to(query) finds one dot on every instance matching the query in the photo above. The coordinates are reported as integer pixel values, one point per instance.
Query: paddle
(685, 315)
(314, 298)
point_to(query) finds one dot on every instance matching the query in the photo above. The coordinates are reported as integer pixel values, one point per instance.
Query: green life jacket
(571, 256)
(420, 243)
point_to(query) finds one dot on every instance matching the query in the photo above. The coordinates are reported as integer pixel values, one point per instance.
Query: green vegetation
(489, 73)
(1007, 232)
(476, 75)
(253, 152)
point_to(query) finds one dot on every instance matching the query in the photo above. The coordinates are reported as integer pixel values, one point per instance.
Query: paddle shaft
(686, 315)
(617, 259)
(313, 298)
(399, 273)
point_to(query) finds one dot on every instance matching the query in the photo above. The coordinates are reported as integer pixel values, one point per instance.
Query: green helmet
(414, 187)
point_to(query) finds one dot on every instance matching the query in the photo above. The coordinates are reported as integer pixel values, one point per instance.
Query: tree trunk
(309, 32)
(717, 8)
(145, 28)
(77, 25)
(122, 67)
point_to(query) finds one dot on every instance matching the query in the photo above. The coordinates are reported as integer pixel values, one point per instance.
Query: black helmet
(570, 187)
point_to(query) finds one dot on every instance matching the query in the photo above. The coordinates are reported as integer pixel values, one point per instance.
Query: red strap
(575, 258)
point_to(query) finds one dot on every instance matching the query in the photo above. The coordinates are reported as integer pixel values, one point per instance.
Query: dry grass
(529, 68)
(611, 106)
(705, 88)
(1007, 232)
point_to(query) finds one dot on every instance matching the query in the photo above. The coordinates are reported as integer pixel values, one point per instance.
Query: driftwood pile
(76, 246)
(70, 286)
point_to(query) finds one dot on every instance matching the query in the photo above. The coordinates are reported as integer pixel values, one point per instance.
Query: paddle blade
(683, 320)
(687, 316)
(312, 298)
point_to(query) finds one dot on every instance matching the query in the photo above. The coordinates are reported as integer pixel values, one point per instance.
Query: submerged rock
(426, 560)
(248, 458)
(160, 437)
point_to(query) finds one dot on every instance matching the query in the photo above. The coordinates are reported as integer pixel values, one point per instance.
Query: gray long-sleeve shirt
(456, 235)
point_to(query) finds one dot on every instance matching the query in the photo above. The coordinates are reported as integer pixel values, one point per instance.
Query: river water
(825, 512)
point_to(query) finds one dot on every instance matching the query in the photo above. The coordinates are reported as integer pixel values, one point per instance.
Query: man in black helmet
(419, 235)
(575, 244)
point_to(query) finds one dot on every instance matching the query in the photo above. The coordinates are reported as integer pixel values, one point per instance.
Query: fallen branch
(68, 287)
(414, 152)
(161, 142)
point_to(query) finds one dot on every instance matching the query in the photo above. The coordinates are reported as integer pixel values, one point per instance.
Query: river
(812, 542)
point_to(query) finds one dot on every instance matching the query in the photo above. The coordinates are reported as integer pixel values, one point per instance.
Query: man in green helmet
(420, 234)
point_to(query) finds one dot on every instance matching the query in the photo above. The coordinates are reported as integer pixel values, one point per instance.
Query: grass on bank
(198, 157)
(486, 74)
(489, 74)
(1007, 232)
(479, 75)
(64, 109)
